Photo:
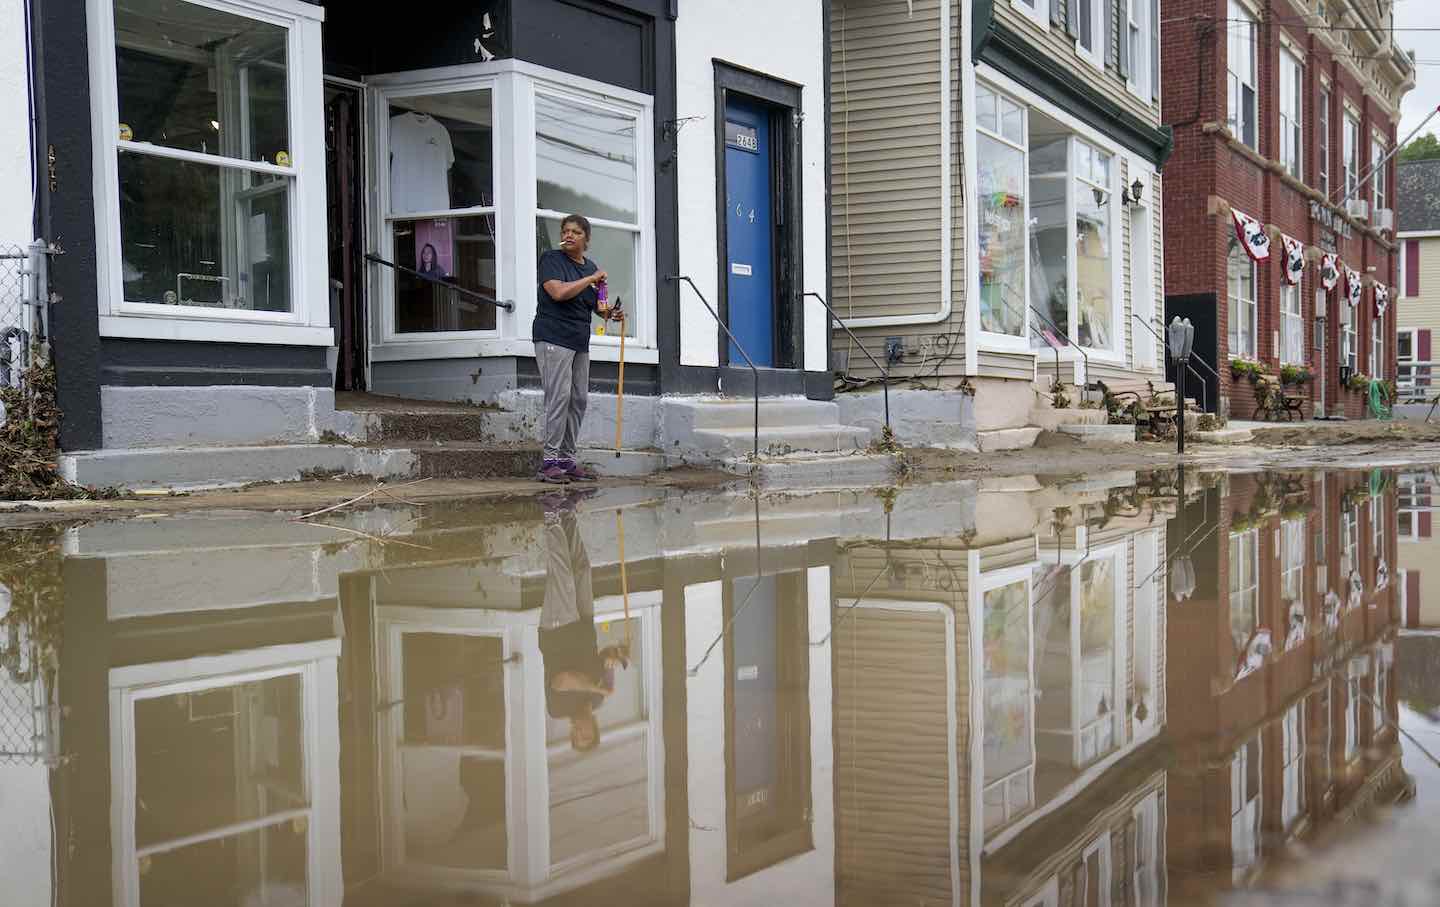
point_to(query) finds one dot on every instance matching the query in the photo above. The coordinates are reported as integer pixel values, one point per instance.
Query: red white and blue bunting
(1329, 270)
(1252, 235)
(1294, 259)
(1354, 286)
(1382, 299)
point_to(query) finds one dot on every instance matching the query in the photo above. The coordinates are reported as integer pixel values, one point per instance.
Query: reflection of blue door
(748, 231)
(756, 719)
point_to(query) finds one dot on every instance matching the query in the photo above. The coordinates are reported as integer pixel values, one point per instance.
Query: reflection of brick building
(1278, 662)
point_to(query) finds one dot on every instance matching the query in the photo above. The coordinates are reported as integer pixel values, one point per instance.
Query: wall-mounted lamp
(1130, 195)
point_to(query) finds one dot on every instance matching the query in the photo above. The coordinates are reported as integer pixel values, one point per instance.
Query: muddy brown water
(1124, 690)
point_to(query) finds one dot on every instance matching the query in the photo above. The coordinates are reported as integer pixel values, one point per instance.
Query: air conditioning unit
(1384, 219)
(1358, 208)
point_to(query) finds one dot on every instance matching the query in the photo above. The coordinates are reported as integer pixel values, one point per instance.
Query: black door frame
(348, 314)
(783, 100)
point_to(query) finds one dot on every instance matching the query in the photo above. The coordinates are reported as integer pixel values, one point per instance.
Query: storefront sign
(1330, 221)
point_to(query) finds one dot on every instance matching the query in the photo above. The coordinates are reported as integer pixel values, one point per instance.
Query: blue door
(749, 233)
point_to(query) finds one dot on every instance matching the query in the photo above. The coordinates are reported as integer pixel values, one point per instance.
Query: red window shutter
(1422, 343)
(1412, 267)
(1412, 598)
(1424, 524)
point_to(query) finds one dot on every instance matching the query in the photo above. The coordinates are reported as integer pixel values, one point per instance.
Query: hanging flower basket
(1295, 375)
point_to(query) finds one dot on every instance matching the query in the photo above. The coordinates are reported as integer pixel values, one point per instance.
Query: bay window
(1350, 150)
(1001, 170)
(483, 165)
(1291, 104)
(1322, 148)
(1292, 327)
(212, 168)
(1240, 55)
(1241, 286)
(1093, 250)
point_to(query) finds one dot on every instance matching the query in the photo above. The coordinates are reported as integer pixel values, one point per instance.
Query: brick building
(1281, 109)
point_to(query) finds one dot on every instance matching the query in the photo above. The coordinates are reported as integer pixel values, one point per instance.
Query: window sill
(140, 327)
(1091, 57)
(1033, 13)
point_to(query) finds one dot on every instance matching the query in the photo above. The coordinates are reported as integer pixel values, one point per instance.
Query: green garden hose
(1379, 408)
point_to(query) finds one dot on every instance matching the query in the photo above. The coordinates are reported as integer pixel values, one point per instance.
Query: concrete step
(738, 443)
(1050, 418)
(1100, 434)
(815, 472)
(698, 413)
(1008, 438)
(389, 426)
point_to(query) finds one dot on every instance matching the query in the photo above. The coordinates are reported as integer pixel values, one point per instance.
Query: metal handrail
(1055, 328)
(1204, 397)
(498, 303)
(748, 361)
(1054, 347)
(884, 372)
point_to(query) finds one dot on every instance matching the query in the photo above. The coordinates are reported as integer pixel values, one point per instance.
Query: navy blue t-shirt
(565, 323)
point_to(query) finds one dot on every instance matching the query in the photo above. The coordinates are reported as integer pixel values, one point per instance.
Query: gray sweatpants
(565, 379)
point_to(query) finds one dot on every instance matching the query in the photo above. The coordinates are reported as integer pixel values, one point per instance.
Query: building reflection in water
(951, 694)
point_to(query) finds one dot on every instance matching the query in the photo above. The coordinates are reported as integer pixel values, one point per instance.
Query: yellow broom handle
(620, 396)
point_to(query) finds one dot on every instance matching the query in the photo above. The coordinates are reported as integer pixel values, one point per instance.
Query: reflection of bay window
(213, 171)
(1000, 147)
(1009, 748)
(1245, 792)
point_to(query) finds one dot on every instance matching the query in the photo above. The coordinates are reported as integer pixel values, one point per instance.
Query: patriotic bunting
(1252, 235)
(1294, 259)
(1382, 299)
(1329, 270)
(1353, 287)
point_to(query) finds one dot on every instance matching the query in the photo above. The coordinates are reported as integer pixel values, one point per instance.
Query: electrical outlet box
(894, 350)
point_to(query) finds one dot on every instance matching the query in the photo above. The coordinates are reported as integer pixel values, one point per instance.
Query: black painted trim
(995, 43)
(785, 99)
(825, 13)
(739, 381)
(66, 214)
(640, 380)
(185, 363)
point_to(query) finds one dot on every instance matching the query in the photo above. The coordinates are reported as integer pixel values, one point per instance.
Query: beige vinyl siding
(1018, 366)
(1060, 48)
(1423, 311)
(892, 760)
(887, 180)
(886, 158)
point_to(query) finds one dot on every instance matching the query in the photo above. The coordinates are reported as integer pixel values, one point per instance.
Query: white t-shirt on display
(420, 159)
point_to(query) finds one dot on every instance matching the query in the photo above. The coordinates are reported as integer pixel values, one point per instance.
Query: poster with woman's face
(435, 248)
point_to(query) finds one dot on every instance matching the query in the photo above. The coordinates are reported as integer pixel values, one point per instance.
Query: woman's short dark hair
(578, 220)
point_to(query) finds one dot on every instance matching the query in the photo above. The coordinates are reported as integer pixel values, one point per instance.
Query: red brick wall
(1196, 244)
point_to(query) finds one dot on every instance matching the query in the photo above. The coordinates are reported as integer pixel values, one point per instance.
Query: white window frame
(314, 664)
(1039, 13)
(1144, 217)
(1379, 194)
(1245, 811)
(1137, 14)
(308, 321)
(514, 85)
(1095, 56)
(1349, 341)
(1350, 151)
(1294, 546)
(1377, 346)
(1242, 305)
(1292, 107)
(1001, 83)
(996, 339)
(1292, 757)
(1117, 268)
(1292, 325)
(1100, 847)
(1241, 22)
(1322, 149)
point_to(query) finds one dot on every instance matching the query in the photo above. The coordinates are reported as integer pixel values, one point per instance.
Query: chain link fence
(24, 292)
(28, 712)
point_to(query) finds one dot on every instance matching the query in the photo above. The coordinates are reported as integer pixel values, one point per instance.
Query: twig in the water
(378, 489)
(379, 539)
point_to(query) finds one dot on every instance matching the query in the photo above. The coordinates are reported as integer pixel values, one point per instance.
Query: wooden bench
(1144, 395)
(1273, 401)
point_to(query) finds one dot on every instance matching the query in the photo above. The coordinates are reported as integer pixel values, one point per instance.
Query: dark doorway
(344, 171)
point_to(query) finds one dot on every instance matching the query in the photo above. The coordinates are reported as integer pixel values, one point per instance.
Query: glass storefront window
(194, 81)
(1050, 244)
(1002, 234)
(1093, 252)
(442, 211)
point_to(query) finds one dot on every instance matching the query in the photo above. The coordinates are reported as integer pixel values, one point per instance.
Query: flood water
(1127, 690)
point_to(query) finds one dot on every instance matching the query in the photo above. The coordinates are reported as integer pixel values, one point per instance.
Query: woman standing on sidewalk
(567, 297)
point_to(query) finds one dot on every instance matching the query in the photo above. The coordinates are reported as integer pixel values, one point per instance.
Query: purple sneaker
(577, 472)
(553, 472)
